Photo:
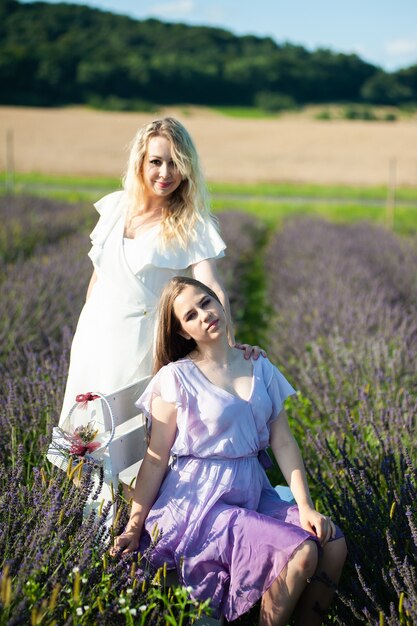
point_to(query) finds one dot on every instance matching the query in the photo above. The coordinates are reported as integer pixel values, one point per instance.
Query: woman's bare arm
(288, 456)
(151, 473)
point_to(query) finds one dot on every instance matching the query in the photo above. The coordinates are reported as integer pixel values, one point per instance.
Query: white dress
(113, 342)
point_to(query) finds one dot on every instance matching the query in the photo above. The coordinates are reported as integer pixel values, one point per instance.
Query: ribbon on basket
(83, 443)
(84, 398)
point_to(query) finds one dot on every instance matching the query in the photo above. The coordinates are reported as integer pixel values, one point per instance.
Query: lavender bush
(56, 568)
(42, 295)
(27, 222)
(345, 332)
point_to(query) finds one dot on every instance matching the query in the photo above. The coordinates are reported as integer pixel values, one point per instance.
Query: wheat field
(290, 148)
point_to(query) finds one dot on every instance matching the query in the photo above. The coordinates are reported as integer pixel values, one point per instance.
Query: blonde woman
(158, 226)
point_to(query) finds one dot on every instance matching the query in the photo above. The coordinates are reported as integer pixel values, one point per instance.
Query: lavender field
(336, 308)
(344, 328)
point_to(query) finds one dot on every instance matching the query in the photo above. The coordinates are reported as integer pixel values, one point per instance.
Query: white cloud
(401, 47)
(174, 9)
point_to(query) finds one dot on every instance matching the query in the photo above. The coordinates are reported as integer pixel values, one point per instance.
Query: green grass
(35, 179)
(244, 112)
(331, 110)
(274, 213)
(60, 187)
(311, 191)
(272, 202)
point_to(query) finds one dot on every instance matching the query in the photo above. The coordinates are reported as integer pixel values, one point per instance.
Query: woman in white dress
(158, 226)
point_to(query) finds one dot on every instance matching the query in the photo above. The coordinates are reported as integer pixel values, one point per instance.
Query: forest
(59, 54)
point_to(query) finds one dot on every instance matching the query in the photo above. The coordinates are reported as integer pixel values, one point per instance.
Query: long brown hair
(170, 345)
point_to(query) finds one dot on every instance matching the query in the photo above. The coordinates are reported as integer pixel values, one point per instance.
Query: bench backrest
(122, 402)
(129, 443)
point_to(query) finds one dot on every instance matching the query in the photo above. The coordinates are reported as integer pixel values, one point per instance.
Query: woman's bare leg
(279, 601)
(315, 600)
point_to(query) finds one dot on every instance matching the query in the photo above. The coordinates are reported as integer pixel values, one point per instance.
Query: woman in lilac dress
(221, 523)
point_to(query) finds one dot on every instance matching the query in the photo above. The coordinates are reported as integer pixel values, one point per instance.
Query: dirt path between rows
(292, 148)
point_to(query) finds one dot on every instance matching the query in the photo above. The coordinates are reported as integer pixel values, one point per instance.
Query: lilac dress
(224, 527)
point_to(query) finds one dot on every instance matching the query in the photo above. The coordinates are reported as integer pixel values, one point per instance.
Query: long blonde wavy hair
(189, 202)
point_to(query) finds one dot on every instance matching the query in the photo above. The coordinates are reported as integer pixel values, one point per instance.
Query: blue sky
(383, 32)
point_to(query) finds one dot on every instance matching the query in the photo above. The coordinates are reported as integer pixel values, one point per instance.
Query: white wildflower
(79, 611)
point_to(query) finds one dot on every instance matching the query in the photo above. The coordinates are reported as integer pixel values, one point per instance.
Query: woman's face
(160, 174)
(201, 316)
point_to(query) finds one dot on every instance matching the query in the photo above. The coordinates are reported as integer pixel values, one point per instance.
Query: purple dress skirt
(222, 525)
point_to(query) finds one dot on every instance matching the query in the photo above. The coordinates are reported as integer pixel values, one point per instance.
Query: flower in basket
(82, 441)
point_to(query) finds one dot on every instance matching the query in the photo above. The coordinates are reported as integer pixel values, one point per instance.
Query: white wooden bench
(126, 450)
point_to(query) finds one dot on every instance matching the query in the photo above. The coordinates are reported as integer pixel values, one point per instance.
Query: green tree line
(55, 54)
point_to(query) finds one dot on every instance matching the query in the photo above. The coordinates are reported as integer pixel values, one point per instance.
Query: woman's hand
(317, 524)
(125, 543)
(250, 351)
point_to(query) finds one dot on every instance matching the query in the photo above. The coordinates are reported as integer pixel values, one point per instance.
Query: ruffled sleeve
(207, 244)
(278, 387)
(164, 384)
(110, 208)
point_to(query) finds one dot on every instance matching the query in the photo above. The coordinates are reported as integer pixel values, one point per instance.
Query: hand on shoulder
(250, 351)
